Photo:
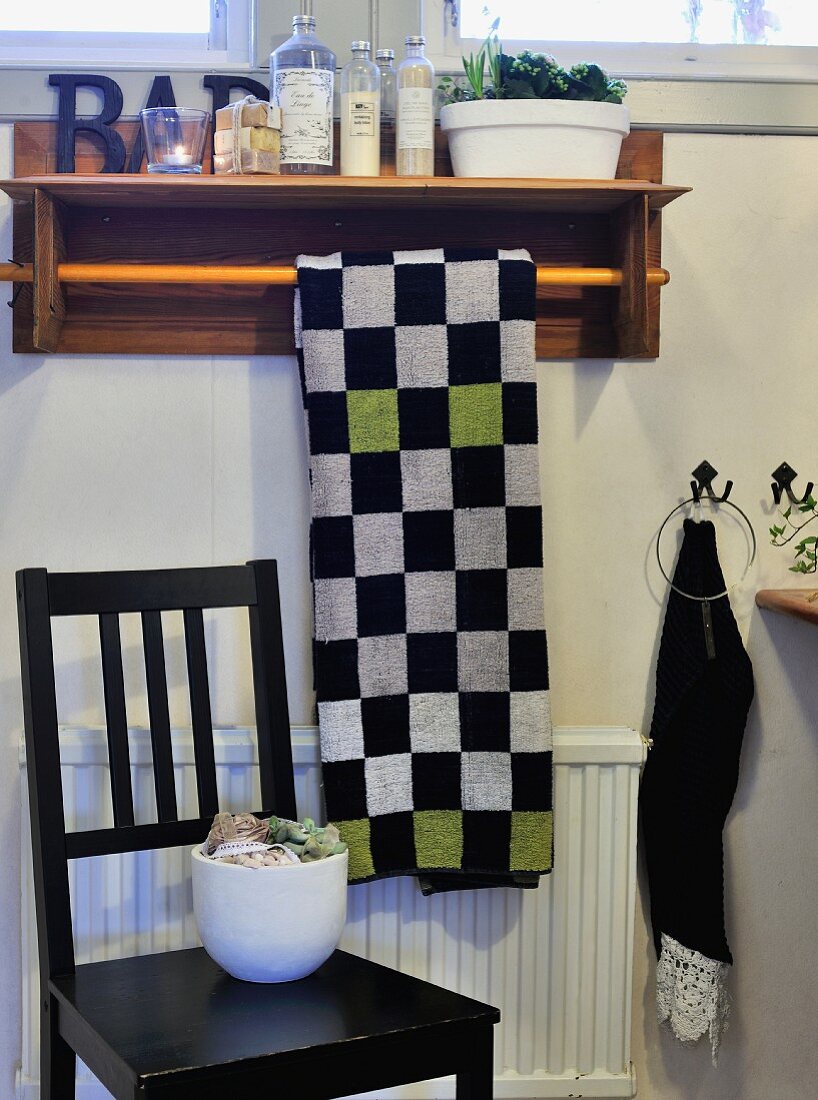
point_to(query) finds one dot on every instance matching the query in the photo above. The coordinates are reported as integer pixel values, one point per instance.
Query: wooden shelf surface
(795, 602)
(341, 192)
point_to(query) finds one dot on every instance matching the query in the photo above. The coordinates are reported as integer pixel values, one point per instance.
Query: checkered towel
(430, 653)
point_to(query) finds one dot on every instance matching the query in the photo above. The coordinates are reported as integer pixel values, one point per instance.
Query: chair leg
(58, 1062)
(477, 1082)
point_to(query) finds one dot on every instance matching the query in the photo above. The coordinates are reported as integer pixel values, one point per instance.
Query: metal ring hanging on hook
(750, 560)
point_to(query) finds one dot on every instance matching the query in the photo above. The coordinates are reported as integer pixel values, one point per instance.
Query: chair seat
(156, 1021)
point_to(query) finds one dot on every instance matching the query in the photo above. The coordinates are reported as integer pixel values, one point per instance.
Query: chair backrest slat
(272, 714)
(116, 720)
(200, 716)
(136, 838)
(156, 590)
(159, 714)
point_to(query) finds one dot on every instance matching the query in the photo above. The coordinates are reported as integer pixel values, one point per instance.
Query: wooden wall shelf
(596, 243)
(795, 602)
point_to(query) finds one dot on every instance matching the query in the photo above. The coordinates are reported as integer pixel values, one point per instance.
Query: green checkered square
(373, 420)
(476, 415)
(531, 841)
(439, 838)
(356, 835)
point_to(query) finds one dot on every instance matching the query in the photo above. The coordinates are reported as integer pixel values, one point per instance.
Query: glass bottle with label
(389, 96)
(360, 114)
(302, 80)
(416, 113)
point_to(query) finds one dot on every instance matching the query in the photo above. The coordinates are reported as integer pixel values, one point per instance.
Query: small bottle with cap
(360, 114)
(389, 98)
(416, 112)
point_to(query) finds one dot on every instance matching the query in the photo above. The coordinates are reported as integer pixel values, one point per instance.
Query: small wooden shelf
(795, 602)
(62, 222)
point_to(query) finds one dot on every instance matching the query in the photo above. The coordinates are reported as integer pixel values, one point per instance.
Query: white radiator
(556, 961)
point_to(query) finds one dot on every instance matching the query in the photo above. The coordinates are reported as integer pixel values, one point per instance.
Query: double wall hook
(703, 485)
(18, 288)
(782, 485)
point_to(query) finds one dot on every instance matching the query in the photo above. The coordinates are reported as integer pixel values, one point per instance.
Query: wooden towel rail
(263, 275)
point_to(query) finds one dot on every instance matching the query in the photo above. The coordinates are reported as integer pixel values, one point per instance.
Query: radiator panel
(557, 961)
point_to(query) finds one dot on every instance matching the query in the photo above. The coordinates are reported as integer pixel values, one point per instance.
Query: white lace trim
(691, 994)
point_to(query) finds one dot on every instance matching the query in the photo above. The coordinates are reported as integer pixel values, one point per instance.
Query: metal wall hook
(784, 476)
(703, 485)
(19, 286)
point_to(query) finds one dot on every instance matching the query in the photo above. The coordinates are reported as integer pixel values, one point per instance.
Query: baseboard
(515, 1086)
(510, 1086)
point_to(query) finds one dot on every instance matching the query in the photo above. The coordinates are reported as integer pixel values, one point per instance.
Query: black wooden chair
(174, 1024)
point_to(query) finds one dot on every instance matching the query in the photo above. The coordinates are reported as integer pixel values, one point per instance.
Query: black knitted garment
(703, 695)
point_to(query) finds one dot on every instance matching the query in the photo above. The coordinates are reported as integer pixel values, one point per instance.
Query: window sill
(215, 60)
(672, 104)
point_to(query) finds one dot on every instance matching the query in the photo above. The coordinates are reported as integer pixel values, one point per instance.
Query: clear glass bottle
(416, 113)
(360, 114)
(302, 83)
(389, 100)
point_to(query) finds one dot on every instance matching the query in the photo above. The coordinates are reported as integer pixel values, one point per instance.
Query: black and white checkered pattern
(430, 653)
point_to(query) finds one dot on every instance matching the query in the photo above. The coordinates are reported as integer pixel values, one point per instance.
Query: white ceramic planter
(274, 924)
(543, 138)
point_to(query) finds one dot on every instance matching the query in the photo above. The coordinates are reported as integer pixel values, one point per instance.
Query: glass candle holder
(174, 139)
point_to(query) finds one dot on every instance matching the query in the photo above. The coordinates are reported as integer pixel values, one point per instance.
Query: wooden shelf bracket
(49, 252)
(630, 313)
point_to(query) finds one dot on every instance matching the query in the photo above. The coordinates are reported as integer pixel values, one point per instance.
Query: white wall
(735, 383)
(128, 462)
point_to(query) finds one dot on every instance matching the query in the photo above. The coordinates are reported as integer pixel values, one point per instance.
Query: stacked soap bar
(259, 139)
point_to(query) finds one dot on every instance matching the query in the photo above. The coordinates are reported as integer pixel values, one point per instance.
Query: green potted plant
(527, 116)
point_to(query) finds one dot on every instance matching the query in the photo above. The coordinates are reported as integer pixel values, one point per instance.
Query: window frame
(230, 43)
(635, 60)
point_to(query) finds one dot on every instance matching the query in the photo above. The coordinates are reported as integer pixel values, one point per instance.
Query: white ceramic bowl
(274, 924)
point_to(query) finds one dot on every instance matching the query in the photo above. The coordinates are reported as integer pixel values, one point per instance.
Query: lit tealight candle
(179, 157)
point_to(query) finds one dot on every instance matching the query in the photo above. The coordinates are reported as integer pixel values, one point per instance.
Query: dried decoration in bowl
(248, 841)
(307, 840)
(229, 828)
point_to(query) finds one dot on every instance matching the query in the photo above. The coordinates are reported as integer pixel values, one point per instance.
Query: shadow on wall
(783, 652)
(688, 1066)
(591, 376)
(479, 918)
(280, 506)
